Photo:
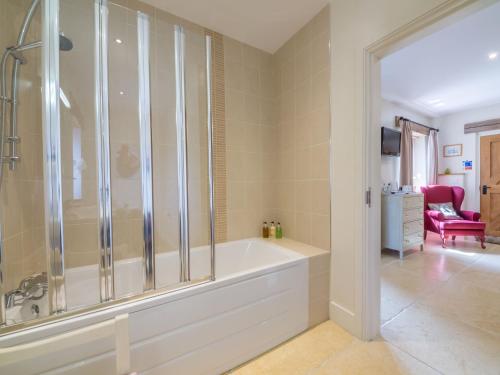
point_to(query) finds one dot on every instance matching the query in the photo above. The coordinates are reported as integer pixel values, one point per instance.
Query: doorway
(373, 56)
(461, 265)
(490, 183)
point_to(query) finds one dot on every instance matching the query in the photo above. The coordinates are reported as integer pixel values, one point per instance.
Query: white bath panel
(206, 329)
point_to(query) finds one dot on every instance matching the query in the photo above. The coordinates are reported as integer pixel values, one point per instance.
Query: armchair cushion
(462, 225)
(436, 215)
(470, 215)
(446, 208)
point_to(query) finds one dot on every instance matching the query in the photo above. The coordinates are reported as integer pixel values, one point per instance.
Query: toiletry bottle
(279, 231)
(272, 230)
(265, 230)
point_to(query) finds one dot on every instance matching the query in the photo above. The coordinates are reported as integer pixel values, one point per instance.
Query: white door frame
(445, 14)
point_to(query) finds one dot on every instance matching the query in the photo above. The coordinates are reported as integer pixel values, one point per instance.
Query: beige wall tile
(286, 196)
(287, 136)
(288, 75)
(236, 195)
(320, 197)
(320, 52)
(235, 105)
(303, 199)
(267, 83)
(234, 75)
(235, 135)
(252, 109)
(303, 63)
(320, 90)
(251, 81)
(252, 57)
(303, 164)
(288, 161)
(236, 164)
(253, 138)
(253, 165)
(320, 126)
(303, 227)
(251, 141)
(320, 161)
(320, 231)
(287, 106)
(304, 132)
(233, 51)
(303, 98)
(321, 22)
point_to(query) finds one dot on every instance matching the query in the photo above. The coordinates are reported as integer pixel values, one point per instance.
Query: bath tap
(31, 288)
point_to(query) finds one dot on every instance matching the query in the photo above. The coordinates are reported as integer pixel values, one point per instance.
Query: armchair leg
(453, 238)
(483, 246)
(443, 241)
(425, 235)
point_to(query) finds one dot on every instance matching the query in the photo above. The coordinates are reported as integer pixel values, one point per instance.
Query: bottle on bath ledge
(272, 230)
(265, 230)
(279, 231)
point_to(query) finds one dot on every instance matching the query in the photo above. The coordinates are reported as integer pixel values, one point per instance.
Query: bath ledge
(299, 247)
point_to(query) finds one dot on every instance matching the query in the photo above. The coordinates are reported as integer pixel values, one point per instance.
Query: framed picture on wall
(450, 151)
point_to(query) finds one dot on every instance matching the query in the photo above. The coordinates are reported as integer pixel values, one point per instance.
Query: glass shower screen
(127, 156)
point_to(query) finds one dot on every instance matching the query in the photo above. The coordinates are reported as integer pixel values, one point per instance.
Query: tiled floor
(440, 315)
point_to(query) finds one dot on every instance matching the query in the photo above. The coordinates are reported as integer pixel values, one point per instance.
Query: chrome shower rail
(106, 274)
(146, 152)
(208, 47)
(182, 162)
(52, 154)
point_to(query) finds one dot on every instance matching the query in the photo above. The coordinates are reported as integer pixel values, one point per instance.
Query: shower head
(65, 44)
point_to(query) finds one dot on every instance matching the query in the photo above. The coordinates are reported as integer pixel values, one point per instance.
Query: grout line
(439, 286)
(431, 291)
(417, 359)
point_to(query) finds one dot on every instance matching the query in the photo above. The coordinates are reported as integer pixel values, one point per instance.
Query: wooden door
(490, 183)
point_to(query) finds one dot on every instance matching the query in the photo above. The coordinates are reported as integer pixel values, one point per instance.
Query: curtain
(432, 158)
(406, 160)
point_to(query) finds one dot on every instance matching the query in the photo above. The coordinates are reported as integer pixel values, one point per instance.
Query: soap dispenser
(279, 231)
(272, 230)
(265, 230)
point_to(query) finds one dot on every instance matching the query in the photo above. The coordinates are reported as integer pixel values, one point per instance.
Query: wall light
(492, 55)
(119, 41)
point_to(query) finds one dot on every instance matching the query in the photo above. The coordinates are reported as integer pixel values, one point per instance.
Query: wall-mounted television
(391, 142)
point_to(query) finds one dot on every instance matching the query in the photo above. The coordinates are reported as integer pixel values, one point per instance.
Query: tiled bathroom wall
(277, 146)
(276, 138)
(250, 138)
(22, 191)
(303, 189)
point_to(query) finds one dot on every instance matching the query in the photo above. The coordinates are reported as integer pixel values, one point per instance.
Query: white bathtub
(259, 299)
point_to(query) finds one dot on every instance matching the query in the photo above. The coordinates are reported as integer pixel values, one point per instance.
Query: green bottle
(279, 231)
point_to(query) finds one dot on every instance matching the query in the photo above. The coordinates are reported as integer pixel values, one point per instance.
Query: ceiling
(265, 24)
(449, 70)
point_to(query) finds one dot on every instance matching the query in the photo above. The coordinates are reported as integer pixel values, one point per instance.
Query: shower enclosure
(106, 150)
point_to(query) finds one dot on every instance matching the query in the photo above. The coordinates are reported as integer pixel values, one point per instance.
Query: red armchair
(467, 225)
